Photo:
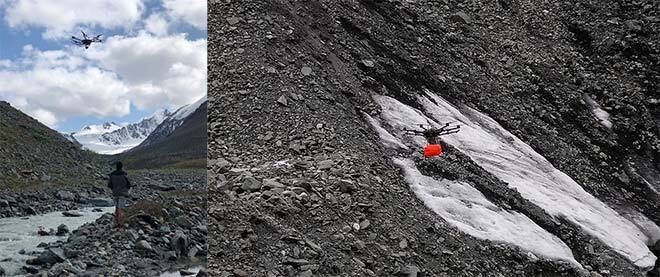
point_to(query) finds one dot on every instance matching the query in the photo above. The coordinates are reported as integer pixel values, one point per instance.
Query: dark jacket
(118, 183)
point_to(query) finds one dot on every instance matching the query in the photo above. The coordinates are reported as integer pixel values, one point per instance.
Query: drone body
(85, 40)
(434, 148)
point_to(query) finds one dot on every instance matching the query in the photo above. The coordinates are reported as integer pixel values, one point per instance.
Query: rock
(4, 203)
(71, 214)
(306, 70)
(241, 273)
(272, 183)
(45, 178)
(2, 271)
(170, 256)
(221, 165)
(283, 100)
(183, 221)
(403, 244)
(44, 232)
(143, 246)
(193, 251)
(409, 271)
(51, 256)
(30, 211)
(364, 224)
(368, 63)
(132, 235)
(250, 184)
(233, 20)
(61, 269)
(62, 230)
(325, 164)
(347, 186)
(101, 202)
(633, 25)
(306, 273)
(30, 269)
(460, 17)
(97, 210)
(65, 195)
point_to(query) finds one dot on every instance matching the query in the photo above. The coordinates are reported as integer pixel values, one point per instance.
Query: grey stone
(62, 230)
(144, 246)
(71, 214)
(283, 100)
(65, 195)
(306, 70)
(250, 184)
(326, 164)
(461, 17)
(51, 256)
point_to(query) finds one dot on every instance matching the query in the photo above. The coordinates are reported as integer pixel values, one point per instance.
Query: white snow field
(516, 163)
(465, 207)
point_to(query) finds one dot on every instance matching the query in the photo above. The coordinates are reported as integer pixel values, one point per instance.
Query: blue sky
(153, 57)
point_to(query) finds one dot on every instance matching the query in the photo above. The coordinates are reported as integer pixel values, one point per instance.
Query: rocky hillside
(173, 145)
(292, 152)
(33, 156)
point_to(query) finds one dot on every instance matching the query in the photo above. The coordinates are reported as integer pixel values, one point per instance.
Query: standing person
(119, 184)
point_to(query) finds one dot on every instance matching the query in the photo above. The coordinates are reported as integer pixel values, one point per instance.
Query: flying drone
(85, 41)
(434, 147)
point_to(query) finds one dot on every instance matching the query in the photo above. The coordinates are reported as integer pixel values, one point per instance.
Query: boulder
(65, 195)
(71, 214)
(143, 246)
(51, 256)
(62, 230)
(250, 184)
(460, 17)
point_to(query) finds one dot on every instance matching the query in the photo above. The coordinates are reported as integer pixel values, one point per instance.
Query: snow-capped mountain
(134, 134)
(111, 138)
(173, 121)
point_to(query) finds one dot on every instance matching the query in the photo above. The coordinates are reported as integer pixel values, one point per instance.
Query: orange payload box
(432, 150)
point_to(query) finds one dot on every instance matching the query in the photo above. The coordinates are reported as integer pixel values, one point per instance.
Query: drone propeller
(84, 35)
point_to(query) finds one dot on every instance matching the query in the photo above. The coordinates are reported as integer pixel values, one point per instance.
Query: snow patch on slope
(600, 114)
(465, 207)
(385, 137)
(516, 163)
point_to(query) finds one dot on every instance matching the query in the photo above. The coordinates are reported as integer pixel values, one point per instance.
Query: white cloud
(159, 70)
(191, 11)
(62, 17)
(53, 94)
(156, 24)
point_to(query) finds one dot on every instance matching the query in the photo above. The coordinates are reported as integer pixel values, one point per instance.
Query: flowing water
(20, 233)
